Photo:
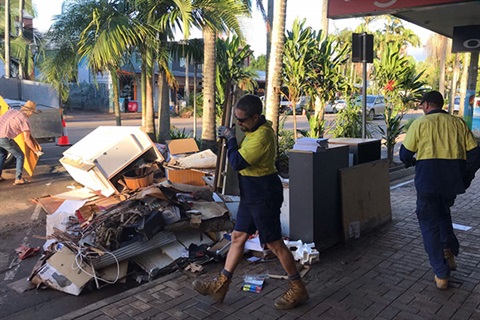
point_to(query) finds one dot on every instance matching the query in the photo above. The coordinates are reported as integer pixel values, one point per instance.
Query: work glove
(226, 132)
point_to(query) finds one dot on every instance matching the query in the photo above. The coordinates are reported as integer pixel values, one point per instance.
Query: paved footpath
(382, 275)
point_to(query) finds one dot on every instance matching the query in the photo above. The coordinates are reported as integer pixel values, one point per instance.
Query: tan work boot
(442, 284)
(448, 255)
(295, 296)
(216, 288)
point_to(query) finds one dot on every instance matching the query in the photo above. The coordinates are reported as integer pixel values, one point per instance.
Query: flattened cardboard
(180, 146)
(365, 191)
(61, 272)
(64, 261)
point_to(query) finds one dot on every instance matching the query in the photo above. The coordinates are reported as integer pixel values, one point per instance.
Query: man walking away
(447, 157)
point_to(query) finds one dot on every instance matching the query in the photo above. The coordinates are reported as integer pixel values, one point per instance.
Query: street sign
(466, 39)
(356, 8)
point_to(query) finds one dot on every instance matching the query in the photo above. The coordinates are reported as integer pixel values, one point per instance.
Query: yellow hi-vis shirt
(440, 136)
(258, 148)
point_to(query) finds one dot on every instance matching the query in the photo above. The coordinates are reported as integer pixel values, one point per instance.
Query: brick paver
(382, 275)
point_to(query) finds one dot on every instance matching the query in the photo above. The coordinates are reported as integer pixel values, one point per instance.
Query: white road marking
(401, 184)
(36, 212)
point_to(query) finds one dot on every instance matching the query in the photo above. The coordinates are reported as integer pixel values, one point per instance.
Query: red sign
(357, 8)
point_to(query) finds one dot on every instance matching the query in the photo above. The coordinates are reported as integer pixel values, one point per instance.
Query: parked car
(456, 104)
(336, 106)
(375, 105)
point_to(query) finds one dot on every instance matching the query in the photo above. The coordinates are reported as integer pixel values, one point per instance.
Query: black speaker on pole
(362, 47)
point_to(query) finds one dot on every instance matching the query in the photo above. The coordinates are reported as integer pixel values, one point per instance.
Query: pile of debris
(143, 207)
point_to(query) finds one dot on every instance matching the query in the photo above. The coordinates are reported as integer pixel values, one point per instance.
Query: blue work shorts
(263, 216)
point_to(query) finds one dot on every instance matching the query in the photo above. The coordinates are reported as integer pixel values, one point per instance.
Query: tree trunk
(143, 88)
(186, 89)
(208, 121)
(21, 62)
(116, 96)
(443, 58)
(325, 17)
(269, 43)
(275, 63)
(7, 39)
(150, 112)
(163, 108)
(453, 86)
(195, 100)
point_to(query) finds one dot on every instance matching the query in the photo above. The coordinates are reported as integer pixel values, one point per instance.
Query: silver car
(336, 106)
(375, 105)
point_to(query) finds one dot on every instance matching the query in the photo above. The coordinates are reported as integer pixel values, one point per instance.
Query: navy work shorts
(263, 216)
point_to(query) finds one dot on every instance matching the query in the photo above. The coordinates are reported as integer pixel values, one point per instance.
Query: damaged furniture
(100, 159)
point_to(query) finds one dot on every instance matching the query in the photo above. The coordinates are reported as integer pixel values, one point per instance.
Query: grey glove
(226, 132)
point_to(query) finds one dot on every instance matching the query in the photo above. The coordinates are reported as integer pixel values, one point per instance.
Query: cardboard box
(179, 147)
(185, 176)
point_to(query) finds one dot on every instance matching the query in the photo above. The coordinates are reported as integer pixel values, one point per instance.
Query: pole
(471, 85)
(364, 91)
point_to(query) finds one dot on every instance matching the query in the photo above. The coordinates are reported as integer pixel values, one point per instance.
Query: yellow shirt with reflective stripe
(440, 136)
(258, 148)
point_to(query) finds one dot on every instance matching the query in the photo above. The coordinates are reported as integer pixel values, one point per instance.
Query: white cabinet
(99, 160)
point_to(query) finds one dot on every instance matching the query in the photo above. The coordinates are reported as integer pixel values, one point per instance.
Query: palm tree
(212, 17)
(59, 66)
(437, 55)
(106, 41)
(275, 60)
(192, 50)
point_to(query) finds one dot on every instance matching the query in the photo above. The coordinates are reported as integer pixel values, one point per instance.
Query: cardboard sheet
(49, 204)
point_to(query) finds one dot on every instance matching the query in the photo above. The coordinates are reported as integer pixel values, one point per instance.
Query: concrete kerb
(108, 301)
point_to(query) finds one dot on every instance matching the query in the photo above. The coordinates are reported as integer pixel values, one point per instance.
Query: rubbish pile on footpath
(144, 210)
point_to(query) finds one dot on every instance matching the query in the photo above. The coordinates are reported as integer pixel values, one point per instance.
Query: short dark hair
(250, 104)
(433, 97)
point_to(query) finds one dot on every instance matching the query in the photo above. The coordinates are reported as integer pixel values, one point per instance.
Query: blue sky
(254, 28)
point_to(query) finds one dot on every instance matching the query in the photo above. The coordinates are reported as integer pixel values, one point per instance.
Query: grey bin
(315, 207)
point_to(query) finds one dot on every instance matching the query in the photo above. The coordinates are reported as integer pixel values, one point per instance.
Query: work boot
(442, 284)
(216, 288)
(448, 255)
(295, 296)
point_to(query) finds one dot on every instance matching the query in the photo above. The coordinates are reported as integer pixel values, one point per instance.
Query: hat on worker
(433, 97)
(30, 106)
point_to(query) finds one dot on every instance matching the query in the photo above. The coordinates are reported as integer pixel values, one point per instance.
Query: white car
(336, 106)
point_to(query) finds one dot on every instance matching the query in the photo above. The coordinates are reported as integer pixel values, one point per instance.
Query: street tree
(213, 17)
(300, 45)
(275, 62)
(233, 77)
(107, 40)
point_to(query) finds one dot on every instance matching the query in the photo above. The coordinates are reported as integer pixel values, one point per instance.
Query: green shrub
(348, 123)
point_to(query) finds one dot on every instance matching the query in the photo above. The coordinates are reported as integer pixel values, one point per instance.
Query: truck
(46, 126)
